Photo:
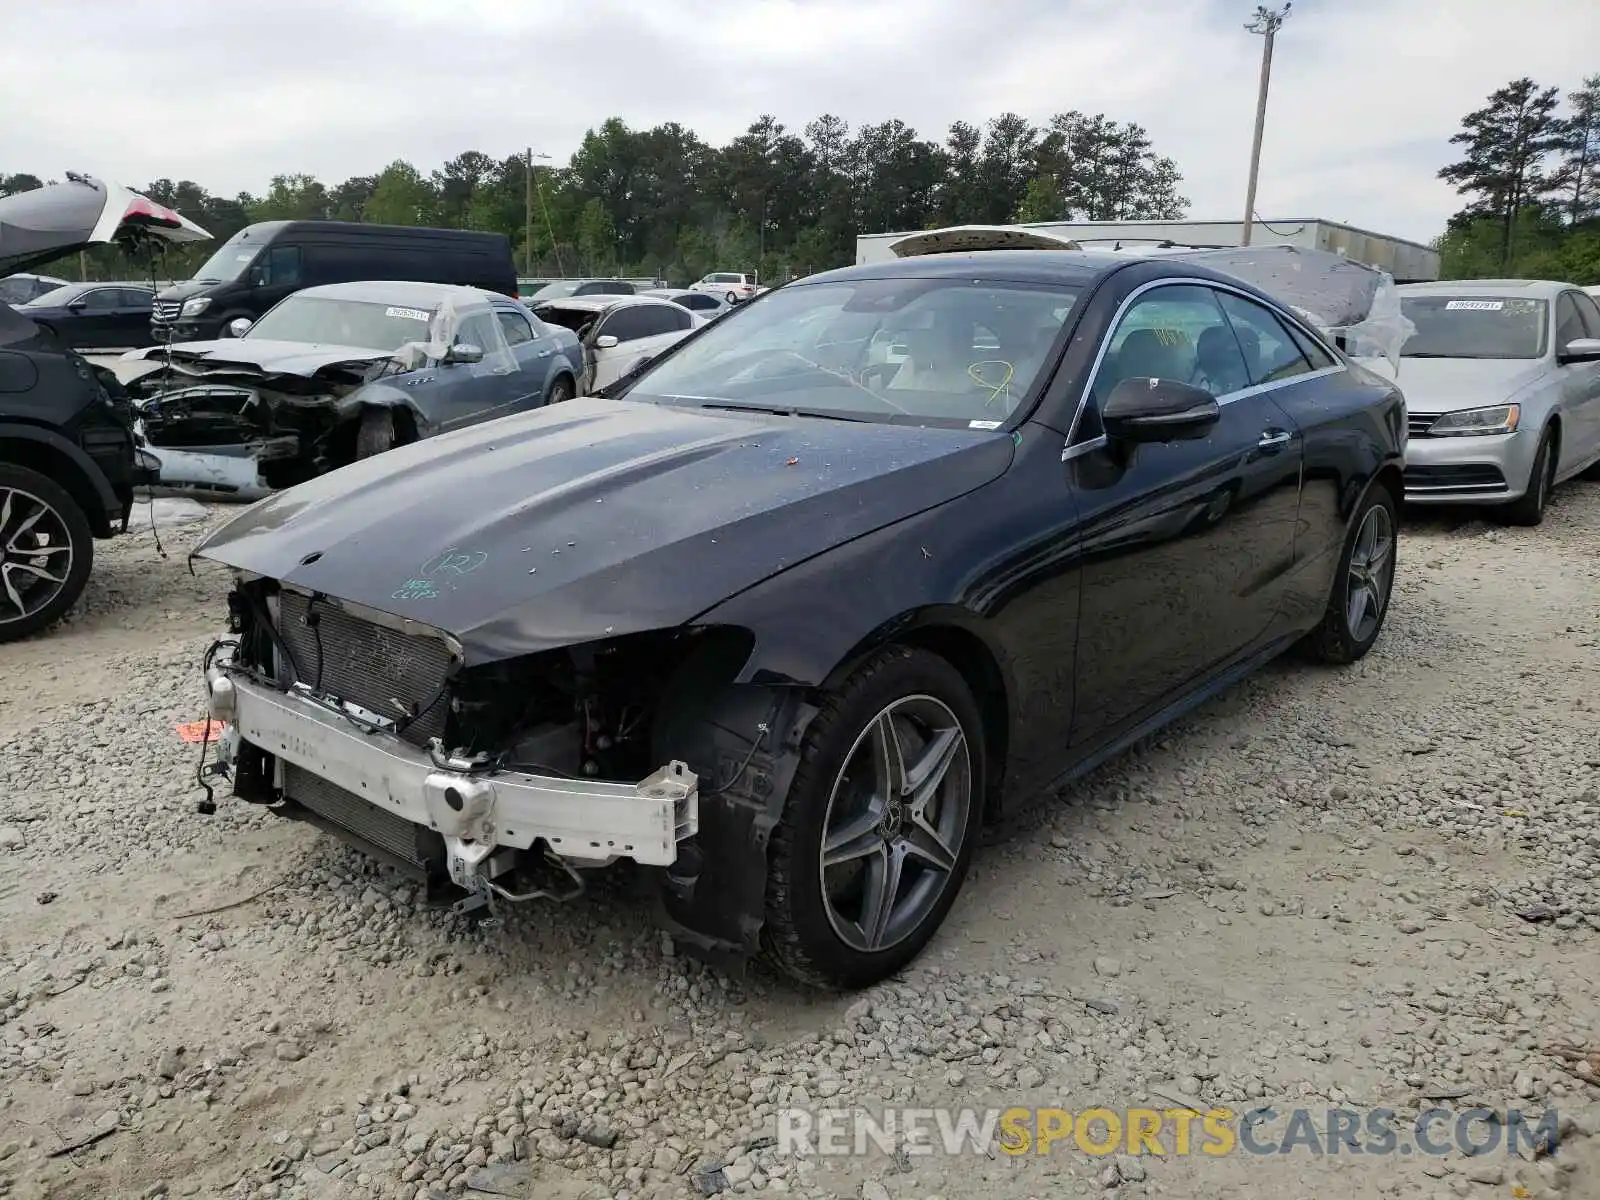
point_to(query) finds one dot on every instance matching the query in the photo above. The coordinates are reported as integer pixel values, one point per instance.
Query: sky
(1365, 94)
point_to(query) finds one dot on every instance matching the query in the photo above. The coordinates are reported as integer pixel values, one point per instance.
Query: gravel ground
(1370, 887)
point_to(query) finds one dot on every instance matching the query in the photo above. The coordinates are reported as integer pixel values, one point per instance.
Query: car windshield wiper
(780, 410)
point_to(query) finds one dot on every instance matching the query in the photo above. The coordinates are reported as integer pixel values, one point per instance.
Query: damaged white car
(342, 372)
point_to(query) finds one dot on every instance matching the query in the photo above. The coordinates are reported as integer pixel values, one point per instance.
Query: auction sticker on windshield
(1475, 305)
(410, 314)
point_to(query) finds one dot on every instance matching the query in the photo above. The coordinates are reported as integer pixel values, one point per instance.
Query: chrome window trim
(1188, 281)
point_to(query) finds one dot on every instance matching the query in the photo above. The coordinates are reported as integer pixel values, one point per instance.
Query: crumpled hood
(1438, 385)
(273, 358)
(595, 517)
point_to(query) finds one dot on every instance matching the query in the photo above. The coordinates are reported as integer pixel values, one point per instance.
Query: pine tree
(1507, 143)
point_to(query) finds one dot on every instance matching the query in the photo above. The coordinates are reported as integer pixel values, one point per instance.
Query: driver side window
(1173, 332)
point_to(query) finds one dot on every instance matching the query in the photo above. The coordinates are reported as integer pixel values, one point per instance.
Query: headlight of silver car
(1477, 422)
(193, 308)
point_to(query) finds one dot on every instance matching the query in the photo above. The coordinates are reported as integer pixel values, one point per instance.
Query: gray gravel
(1370, 887)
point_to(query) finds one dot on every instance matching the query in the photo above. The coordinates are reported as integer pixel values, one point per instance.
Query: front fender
(381, 394)
(93, 477)
(818, 616)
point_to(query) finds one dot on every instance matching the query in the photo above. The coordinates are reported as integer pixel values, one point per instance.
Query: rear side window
(1270, 353)
(102, 299)
(1319, 358)
(135, 298)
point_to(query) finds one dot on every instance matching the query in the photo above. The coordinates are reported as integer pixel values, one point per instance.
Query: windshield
(1475, 327)
(303, 318)
(923, 351)
(230, 260)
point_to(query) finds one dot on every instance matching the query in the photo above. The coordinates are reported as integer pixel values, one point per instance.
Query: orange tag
(200, 731)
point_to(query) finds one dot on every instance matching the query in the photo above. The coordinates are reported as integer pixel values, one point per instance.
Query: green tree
(1042, 201)
(1506, 145)
(401, 196)
(1578, 180)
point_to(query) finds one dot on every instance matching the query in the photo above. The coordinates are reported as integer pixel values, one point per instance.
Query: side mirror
(77, 305)
(1580, 350)
(1158, 410)
(464, 352)
(239, 326)
(605, 341)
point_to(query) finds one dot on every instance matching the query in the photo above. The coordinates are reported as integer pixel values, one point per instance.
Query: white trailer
(1408, 262)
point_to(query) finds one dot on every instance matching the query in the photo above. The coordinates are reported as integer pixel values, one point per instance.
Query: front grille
(1467, 477)
(382, 670)
(165, 310)
(1418, 424)
(412, 848)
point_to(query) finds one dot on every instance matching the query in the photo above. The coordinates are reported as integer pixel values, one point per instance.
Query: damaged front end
(509, 780)
(242, 431)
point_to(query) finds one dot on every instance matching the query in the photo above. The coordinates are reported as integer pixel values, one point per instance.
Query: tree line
(663, 202)
(1530, 174)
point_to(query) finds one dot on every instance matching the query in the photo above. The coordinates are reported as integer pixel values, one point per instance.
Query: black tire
(67, 517)
(1528, 508)
(799, 935)
(561, 390)
(375, 432)
(1340, 639)
(733, 298)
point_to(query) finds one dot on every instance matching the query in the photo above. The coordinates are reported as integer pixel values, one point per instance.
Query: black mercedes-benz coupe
(790, 613)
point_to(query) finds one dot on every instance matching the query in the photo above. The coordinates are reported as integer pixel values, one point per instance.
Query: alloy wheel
(895, 824)
(35, 554)
(1370, 573)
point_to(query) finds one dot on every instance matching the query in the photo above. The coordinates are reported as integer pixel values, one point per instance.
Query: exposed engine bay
(281, 428)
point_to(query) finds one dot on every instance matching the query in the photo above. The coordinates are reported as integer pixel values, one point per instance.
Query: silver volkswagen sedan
(1502, 387)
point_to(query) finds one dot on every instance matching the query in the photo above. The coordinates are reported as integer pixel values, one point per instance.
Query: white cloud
(1365, 93)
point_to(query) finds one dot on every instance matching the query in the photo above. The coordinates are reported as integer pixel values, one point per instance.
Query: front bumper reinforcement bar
(582, 821)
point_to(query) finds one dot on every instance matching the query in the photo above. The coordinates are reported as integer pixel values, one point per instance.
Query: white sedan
(618, 333)
(1502, 386)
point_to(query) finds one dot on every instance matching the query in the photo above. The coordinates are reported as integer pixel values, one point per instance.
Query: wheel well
(50, 462)
(1392, 478)
(966, 653)
(568, 376)
(1554, 426)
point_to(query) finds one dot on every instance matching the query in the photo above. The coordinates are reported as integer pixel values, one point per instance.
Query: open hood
(964, 239)
(44, 224)
(1334, 293)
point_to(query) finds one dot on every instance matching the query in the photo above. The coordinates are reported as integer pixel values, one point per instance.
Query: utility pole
(1266, 21)
(527, 232)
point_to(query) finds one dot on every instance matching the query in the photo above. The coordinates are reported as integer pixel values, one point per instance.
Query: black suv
(69, 460)
(68, 467)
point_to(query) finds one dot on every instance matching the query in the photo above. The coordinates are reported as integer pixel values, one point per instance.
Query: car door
(533, 354)
(1577, 316)
(1184, 542)
(93, 322)
(641, 330)
(454, 394)
(132, 318)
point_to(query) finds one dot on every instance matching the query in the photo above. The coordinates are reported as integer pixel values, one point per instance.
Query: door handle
(1271, 439)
